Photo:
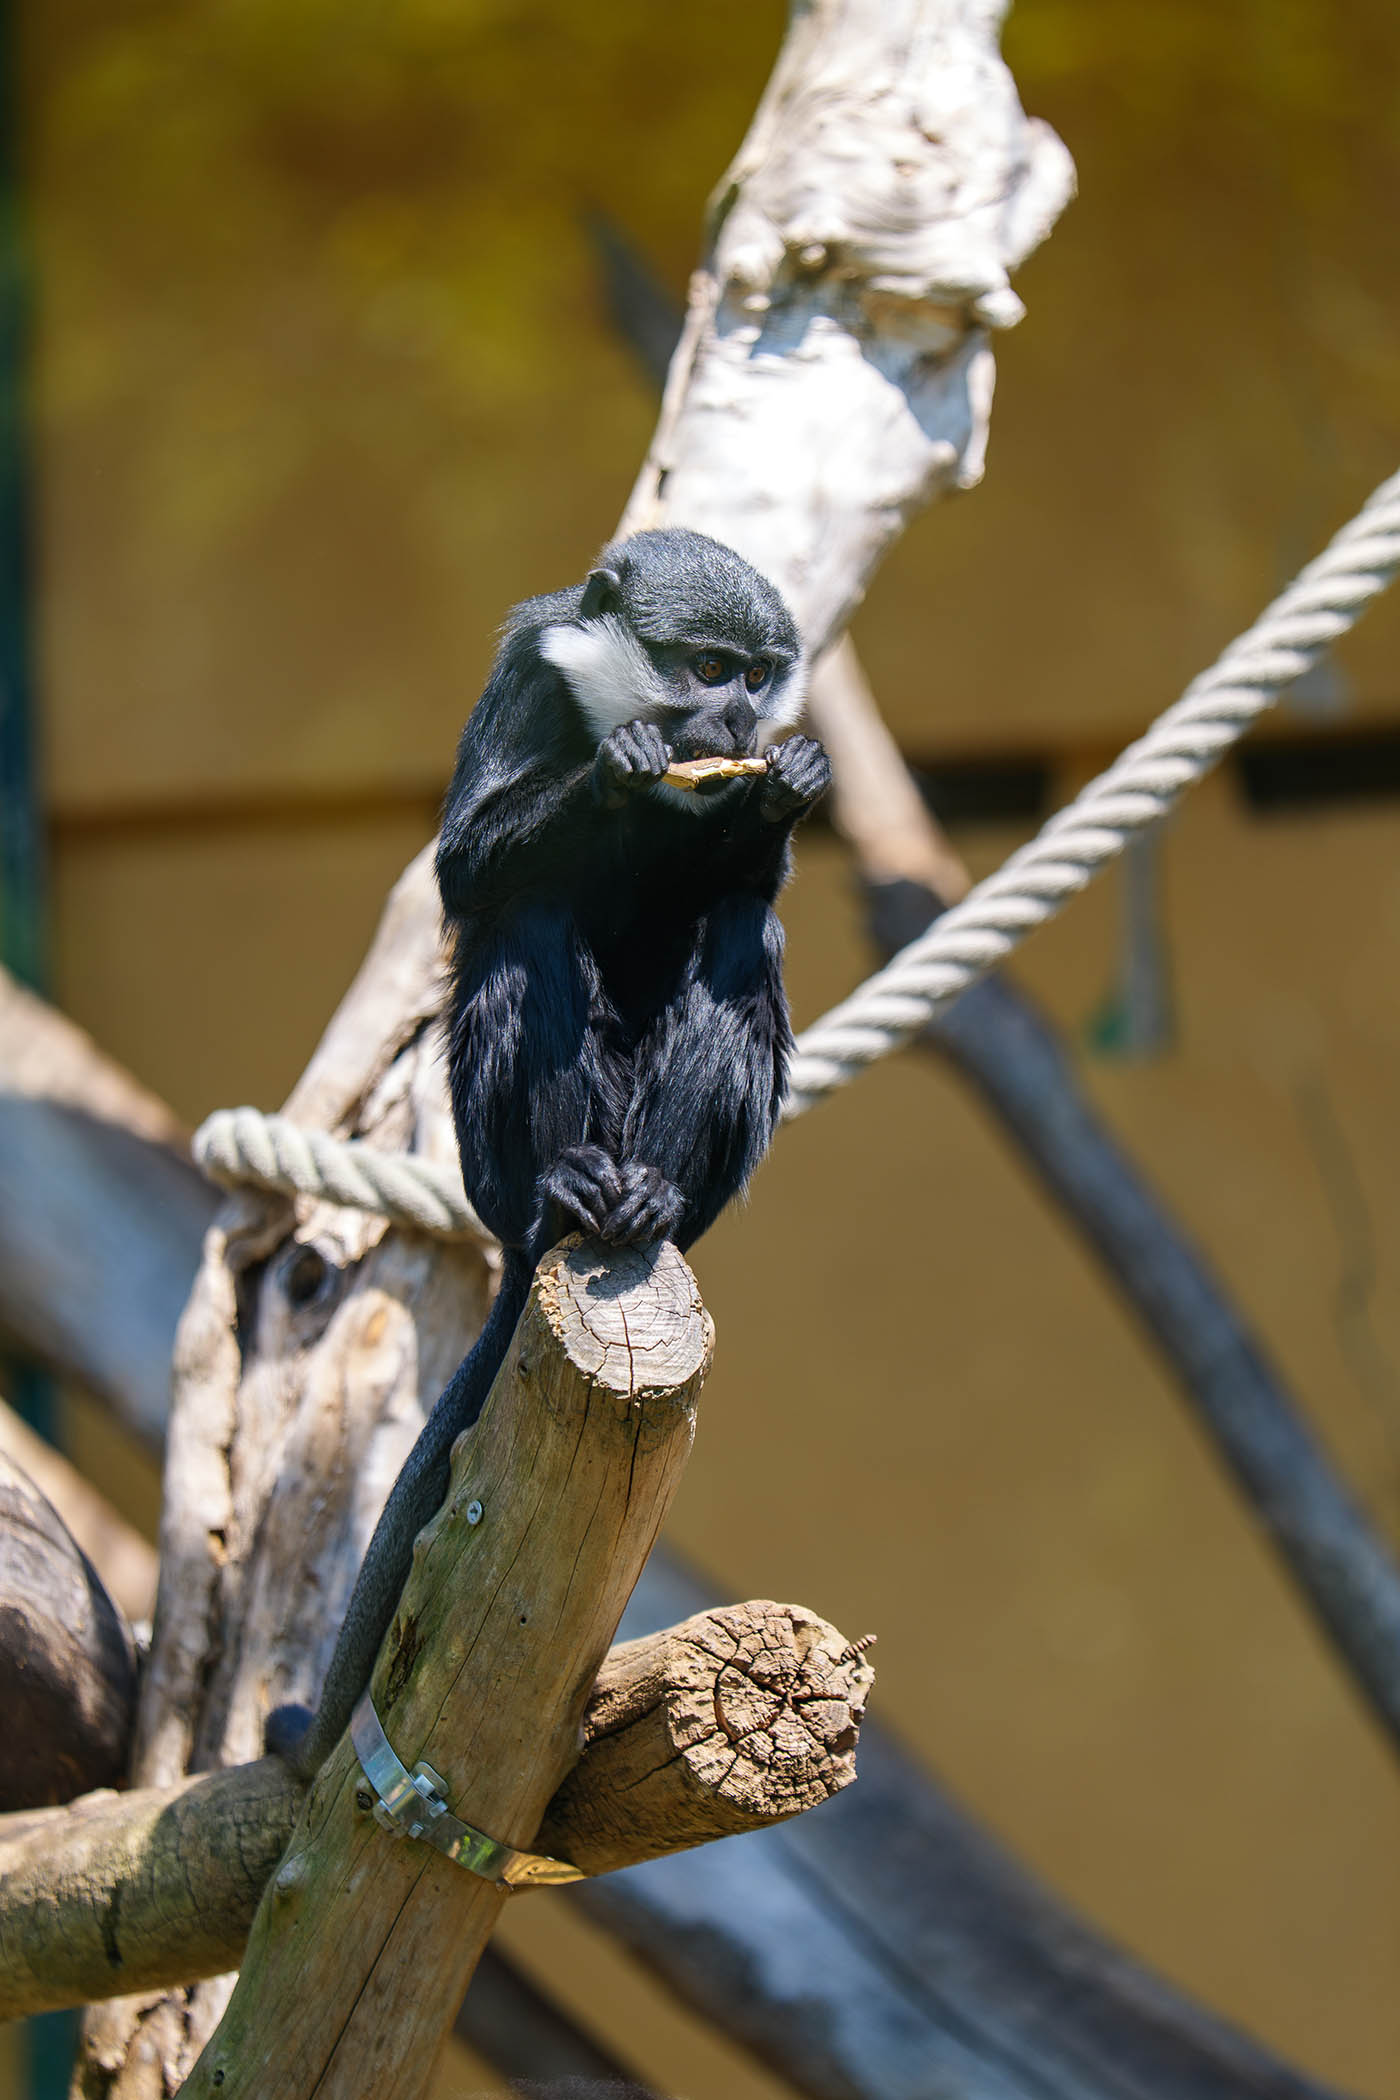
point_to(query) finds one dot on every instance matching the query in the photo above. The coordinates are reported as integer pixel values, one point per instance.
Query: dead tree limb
(732, 1721)
(67, 1662)
(1003, 1045)
(125, 1561)
(835, 370)
(363, 1944)
(887, 1949)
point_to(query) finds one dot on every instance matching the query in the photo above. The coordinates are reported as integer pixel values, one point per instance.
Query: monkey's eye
(756, 676)
(710, 669)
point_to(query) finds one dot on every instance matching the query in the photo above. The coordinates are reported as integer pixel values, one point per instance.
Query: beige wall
(325, 384)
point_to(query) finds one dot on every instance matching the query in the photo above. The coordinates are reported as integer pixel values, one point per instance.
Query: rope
(1138, 790)
(239, 1146)
(969, 940)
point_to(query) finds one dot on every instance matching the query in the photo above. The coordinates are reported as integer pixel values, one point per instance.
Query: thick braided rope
(242, 1146)
(1139, 788)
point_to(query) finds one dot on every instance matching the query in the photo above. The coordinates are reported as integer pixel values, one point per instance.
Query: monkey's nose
(742, 723)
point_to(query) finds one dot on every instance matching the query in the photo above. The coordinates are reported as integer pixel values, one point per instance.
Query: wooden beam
(363, 1945)
(732, 1721)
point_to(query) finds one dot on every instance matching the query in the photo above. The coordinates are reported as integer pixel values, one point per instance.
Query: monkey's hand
(799, 774)
(584, 1184)
(628, 1206)
(632, 756)
(650, 1208)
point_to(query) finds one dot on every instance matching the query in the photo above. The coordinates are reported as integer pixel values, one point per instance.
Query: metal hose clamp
(414, 1804)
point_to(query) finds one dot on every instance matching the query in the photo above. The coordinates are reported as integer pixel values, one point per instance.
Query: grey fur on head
(672, 587)
(726, 601)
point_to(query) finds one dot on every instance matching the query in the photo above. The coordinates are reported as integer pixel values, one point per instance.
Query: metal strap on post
(414, 1804)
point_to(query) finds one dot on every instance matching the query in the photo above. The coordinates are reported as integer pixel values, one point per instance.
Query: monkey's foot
(650, 1209)
(632, 756)
(586, 1185)
(799, 774)
(286, 1730)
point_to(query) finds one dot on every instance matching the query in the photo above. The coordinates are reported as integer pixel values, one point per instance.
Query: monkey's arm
(708, 1078)
(526, 1062)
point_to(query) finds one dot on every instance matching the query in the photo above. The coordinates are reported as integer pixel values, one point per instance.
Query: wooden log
(732, 1721)
(364, 1944)
(125, 1561)
(100, 1214)
(750, 1712)
(127, 1892)
(67, 1662)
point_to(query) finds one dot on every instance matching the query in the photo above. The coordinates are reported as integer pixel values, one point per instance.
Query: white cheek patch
(609, 673)
(786, 702)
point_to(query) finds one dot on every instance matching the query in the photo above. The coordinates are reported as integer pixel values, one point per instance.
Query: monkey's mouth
(712, 737)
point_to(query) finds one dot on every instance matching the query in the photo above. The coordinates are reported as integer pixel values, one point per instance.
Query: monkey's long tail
(418, 1492)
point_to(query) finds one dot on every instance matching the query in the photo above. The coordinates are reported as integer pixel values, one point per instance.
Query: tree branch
(1001, 1043)
(363, 1945)
(67, 1661)
(730, 1722)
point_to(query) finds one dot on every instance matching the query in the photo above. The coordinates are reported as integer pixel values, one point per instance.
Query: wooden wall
(325, 382)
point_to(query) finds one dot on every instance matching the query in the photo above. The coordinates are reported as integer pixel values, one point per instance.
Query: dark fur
(618, 1033)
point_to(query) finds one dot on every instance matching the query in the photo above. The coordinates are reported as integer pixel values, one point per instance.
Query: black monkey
(618, 1034)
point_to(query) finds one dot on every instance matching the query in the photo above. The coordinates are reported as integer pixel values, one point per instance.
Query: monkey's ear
(600, 593)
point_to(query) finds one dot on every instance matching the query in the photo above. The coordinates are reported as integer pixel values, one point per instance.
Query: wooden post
(733, 1721)
(365, 1941)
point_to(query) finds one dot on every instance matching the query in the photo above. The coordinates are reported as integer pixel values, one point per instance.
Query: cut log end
(734, 1720)
(629, 1318)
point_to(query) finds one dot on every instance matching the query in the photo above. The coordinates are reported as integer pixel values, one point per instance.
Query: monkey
(617, 1028)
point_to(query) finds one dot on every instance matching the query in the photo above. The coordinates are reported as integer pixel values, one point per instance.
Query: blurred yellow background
(326, 380)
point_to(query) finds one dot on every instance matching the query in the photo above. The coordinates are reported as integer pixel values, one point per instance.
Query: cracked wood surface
(733, 1721)
(363, 1945)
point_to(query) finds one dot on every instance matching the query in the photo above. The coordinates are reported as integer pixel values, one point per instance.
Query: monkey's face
(675, 629)
(714, 699)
